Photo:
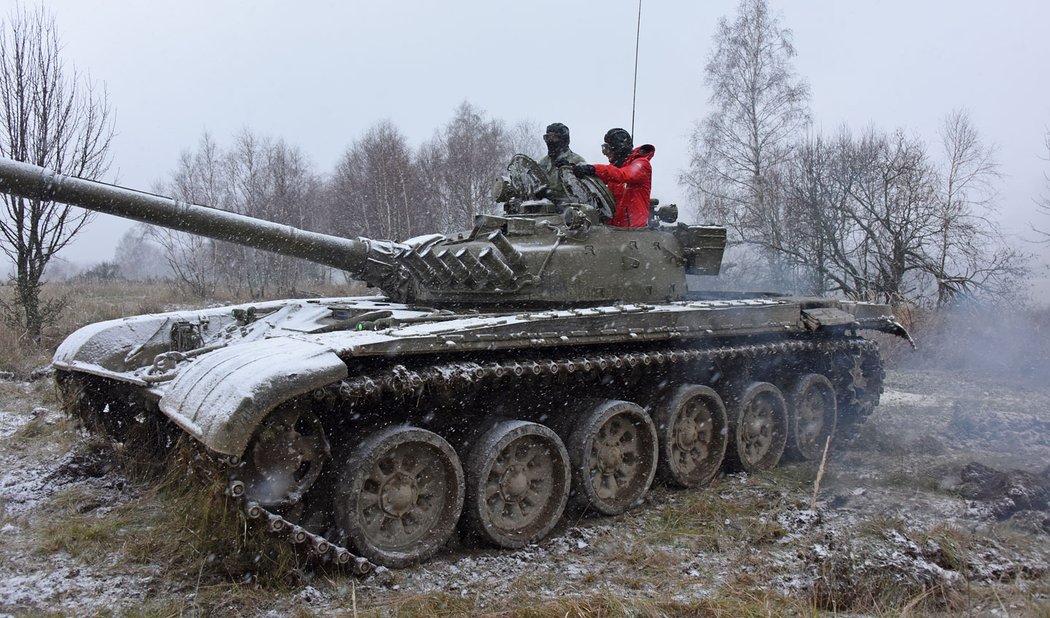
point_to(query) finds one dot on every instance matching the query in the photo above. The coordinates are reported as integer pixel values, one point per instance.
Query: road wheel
(285, 457)
(400, 495)
(760, 428)
(518, 481)
(691, 428)
(612, 448)
(814, 413)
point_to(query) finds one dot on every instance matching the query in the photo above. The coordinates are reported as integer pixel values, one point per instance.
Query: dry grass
(179, 521)
(705, 521)
(729, 603)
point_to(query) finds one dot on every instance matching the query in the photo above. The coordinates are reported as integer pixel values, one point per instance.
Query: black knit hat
(619, 140)
(560, 130)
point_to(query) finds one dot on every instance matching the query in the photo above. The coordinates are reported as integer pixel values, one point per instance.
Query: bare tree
(199, 178)
(138, 257)
(526, 137)
(876, 219)
(50, 117)
(295, 198)
(257, 177)
(1043, 201)
(461, 162)
(377, 190)
(970, 253)
(761, 107)
(268, 180)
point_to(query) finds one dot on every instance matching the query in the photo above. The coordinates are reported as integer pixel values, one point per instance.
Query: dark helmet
(619, 141)
(557, 132)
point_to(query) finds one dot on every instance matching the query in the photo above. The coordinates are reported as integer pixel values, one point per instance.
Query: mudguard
(222, 397)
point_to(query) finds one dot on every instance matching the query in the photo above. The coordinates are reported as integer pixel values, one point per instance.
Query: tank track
(859, 387)
(399, 381)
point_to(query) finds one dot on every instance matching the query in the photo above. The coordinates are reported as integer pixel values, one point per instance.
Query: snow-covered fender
(222, 397)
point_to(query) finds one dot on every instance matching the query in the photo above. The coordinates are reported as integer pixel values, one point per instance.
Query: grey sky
(319, 74)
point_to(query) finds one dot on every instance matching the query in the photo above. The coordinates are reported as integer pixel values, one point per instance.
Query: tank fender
(222, 397)
(856, 315)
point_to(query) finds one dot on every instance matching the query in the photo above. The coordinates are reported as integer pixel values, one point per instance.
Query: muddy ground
(903, 522)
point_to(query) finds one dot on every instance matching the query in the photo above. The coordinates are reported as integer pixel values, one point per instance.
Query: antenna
(634, 89)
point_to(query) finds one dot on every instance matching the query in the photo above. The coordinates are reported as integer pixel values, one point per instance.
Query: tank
(538, 363)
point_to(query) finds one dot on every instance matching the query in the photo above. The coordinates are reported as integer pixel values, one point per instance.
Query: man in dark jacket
(558, 155)
(629, 177)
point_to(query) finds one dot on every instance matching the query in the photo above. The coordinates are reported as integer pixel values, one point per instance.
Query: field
(904, 520)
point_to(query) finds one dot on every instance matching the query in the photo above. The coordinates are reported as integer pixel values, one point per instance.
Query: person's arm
(634, 172)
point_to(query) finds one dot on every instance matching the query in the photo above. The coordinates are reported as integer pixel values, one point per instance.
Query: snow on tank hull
(220, 390)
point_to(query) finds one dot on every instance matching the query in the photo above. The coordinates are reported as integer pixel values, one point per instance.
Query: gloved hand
(583, 169)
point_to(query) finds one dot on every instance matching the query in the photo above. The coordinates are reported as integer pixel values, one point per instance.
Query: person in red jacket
(629, 177)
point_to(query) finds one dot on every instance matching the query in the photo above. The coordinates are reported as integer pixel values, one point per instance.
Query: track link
(317, 547)
(400, 381)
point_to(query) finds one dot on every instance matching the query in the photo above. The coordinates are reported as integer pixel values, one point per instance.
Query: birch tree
(462, 161)
(760, 110)
(377, 191)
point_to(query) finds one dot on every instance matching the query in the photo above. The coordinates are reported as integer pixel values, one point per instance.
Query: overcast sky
(319, 74)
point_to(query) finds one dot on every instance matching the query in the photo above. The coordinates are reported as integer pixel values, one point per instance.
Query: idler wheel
(814, 414)
(691, 427)
(760, 429)
(612, 448)
(400, 495)
(517, 483)
(285, 457)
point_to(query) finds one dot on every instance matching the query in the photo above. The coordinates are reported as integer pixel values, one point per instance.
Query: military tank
(538, 362)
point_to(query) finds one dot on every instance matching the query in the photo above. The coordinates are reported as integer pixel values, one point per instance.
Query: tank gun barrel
(366, 259)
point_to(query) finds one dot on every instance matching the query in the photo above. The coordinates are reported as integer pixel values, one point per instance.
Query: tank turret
(543, 250)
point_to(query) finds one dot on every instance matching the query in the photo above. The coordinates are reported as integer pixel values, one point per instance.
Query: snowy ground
(894, 525)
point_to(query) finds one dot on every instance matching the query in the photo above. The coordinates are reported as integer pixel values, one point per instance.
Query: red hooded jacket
(631, 185)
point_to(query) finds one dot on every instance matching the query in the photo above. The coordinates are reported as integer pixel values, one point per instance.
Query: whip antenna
(634, 89)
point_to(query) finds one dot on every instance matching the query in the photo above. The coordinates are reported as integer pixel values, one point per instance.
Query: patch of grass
(181, 522)
(872, 437)
(197, 531)
(223, 599)
(435, 604)
(885, 566)
(45, 428)
(87, 538)
(706, 519)
(953, 547)
(728, 603)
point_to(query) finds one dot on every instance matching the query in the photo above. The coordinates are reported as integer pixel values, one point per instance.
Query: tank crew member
(558, 154)
(629, 177)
